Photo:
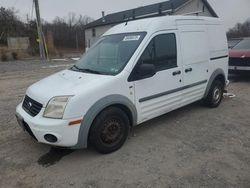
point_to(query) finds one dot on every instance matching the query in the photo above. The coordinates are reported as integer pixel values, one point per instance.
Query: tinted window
(243, 45)
(161, 52)
(233, 42)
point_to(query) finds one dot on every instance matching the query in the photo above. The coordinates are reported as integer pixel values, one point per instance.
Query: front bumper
(38, 127)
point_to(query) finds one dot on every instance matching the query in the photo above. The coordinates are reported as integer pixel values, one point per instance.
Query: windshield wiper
(76, 67)
(86, 70)
(90, 71)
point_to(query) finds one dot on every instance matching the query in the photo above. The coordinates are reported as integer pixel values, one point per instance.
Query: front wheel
(109, 130)
(215, 94)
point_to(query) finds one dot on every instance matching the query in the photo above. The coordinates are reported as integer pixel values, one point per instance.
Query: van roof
(151, 25)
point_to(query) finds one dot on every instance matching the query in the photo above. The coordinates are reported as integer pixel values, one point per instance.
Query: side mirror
(146, 71)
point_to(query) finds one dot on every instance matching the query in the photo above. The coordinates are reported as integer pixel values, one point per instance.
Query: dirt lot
(191, 147)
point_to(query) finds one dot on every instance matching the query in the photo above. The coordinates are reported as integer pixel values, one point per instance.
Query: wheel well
(217, 75)
(221, 78)
(126, 110)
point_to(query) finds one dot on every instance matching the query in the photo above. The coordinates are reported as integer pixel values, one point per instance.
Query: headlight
(56, 106)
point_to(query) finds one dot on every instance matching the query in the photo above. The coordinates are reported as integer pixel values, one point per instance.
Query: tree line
(240, 30)
(67, 32)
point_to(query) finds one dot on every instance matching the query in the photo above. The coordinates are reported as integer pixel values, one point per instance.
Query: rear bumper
(38, 127)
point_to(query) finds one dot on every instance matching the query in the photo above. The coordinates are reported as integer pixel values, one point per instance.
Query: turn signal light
(75, 122)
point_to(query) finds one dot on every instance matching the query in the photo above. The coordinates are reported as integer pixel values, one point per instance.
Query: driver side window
(161, 52)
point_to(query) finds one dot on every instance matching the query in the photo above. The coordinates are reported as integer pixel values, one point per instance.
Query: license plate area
(20, 122)
(25, 126)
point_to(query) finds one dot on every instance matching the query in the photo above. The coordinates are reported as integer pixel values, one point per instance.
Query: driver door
(160, 93)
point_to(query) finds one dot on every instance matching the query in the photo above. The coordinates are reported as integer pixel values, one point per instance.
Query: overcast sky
(231, 11)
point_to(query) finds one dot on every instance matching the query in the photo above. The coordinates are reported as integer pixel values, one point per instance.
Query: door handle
(188, 70)
(176, 73)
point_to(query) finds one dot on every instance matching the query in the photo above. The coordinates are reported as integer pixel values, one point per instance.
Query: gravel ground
(190, 147)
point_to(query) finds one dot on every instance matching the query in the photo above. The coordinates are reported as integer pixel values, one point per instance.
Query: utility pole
(77, 45)
(39, 30)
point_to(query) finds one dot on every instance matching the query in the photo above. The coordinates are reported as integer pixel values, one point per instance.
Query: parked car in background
(233, 42)
(239, 57)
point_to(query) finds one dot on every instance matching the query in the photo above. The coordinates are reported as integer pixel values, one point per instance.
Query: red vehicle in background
(239, 57)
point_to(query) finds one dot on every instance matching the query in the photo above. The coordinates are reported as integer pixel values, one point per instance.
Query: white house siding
(193, 6)
(190, 7)
(89, 39)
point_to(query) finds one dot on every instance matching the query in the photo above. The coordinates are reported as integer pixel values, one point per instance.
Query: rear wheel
(109, 130)
(215, 94)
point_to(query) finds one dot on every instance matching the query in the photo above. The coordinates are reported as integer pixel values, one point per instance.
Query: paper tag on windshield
(131, 38)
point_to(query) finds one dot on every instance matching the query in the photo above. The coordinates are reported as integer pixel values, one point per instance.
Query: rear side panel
(195, 54)
(205, 55)
(218, 47)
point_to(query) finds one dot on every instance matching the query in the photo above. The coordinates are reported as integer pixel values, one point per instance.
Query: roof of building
(166, 7)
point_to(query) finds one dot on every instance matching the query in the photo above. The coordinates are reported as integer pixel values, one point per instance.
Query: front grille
(244, 62)
(31, 106)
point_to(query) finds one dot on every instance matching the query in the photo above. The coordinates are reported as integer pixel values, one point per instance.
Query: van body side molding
(171, 91)
(220, 57)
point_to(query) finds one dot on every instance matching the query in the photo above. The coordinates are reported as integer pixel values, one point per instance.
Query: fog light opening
(50, 138)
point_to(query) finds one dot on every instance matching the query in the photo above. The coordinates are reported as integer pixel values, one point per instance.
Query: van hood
(63, 83)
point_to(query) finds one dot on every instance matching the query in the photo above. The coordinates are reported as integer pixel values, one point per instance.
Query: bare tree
(240, 30)
(10, 24)
(67, 32)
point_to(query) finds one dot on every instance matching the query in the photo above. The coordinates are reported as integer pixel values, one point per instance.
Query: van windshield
(110, 54)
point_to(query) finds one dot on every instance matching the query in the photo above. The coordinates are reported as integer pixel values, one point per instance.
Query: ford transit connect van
(135, 72)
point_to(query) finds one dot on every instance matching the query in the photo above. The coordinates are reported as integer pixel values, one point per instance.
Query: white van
(136, 71)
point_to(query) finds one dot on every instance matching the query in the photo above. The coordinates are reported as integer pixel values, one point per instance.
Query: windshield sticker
(131, 38)
(114, 70)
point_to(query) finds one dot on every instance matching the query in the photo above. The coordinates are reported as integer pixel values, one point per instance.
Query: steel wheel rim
(217, 95)
(111, 132)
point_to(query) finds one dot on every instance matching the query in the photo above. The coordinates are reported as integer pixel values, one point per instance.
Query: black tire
(109, 130)
(215, 94)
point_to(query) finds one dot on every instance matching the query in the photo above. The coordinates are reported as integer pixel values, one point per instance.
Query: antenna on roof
(103, 16)
(133, 14)
(124, 18)
(160, 9)
(172, 7)
(128, 18)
